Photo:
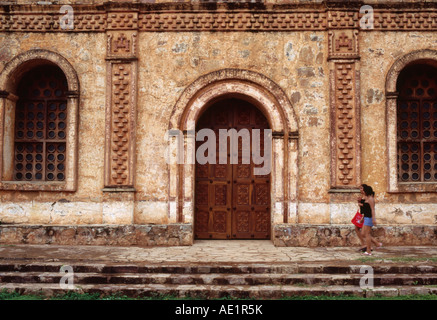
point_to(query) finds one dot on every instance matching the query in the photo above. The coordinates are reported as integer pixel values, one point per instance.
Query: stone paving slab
(207, 251)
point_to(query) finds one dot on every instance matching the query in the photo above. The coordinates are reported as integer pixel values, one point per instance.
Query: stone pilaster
(121, 103)
(121, 110)
(345, 108)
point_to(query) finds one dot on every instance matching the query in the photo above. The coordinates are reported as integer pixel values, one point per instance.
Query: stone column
(121, 105)
(186, 195)
(392, 148)
(175, 159)
(72, 141)
(279, 206)
(292, 176)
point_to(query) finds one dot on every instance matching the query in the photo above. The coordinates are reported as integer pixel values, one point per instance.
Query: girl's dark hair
(368, 190)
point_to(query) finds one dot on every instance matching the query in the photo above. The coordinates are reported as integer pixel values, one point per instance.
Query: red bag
(356, 220)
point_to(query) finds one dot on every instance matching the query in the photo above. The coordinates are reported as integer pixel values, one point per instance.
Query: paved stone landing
(207, 251)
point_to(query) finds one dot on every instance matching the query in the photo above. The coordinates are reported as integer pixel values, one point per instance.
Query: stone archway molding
(273, 102)
(236, 81)
(402, 62)
(8, 79)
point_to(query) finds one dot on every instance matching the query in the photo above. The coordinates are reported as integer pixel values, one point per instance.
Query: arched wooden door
(231, 202)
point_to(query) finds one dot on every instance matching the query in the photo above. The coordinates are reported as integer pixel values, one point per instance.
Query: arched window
(40, 126)
(39, 123)
(417, 124)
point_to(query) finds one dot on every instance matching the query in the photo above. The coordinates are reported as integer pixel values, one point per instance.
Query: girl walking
(359, 231)
(369, 216)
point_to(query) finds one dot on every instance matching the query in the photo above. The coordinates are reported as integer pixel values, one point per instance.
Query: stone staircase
(208, 281)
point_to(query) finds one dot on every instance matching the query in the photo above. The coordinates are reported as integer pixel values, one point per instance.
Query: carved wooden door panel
(251, 193)
(232, 202)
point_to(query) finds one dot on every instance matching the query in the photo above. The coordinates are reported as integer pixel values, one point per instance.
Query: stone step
(292, 268)
(215, 291)
(219, 279)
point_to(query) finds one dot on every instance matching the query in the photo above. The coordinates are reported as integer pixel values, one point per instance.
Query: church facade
(107, 106)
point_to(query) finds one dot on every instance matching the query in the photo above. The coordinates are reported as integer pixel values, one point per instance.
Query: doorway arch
(271, 100)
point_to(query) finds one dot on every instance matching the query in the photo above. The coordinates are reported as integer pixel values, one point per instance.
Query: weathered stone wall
(298, 60)
(379, 51)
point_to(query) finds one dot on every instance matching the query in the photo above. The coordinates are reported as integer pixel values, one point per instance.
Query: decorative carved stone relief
(120, 124)
(205, 21)
(343, 43)
(97, 19)
(122, 20)
(405, 20)
(122, 44)
(121, 108)
(43, 22)
(345, 130)
(343, 19)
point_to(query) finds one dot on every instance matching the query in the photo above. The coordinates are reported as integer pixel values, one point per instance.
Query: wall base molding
(106, 235)
(181, 234)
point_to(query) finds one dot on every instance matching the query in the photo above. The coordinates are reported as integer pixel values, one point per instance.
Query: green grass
(398, 259)
(4, 295)
(376, 297)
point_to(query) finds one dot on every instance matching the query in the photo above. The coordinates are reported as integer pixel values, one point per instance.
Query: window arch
(40, 126)
(410, 104)
(417, 124)
(39, 106)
